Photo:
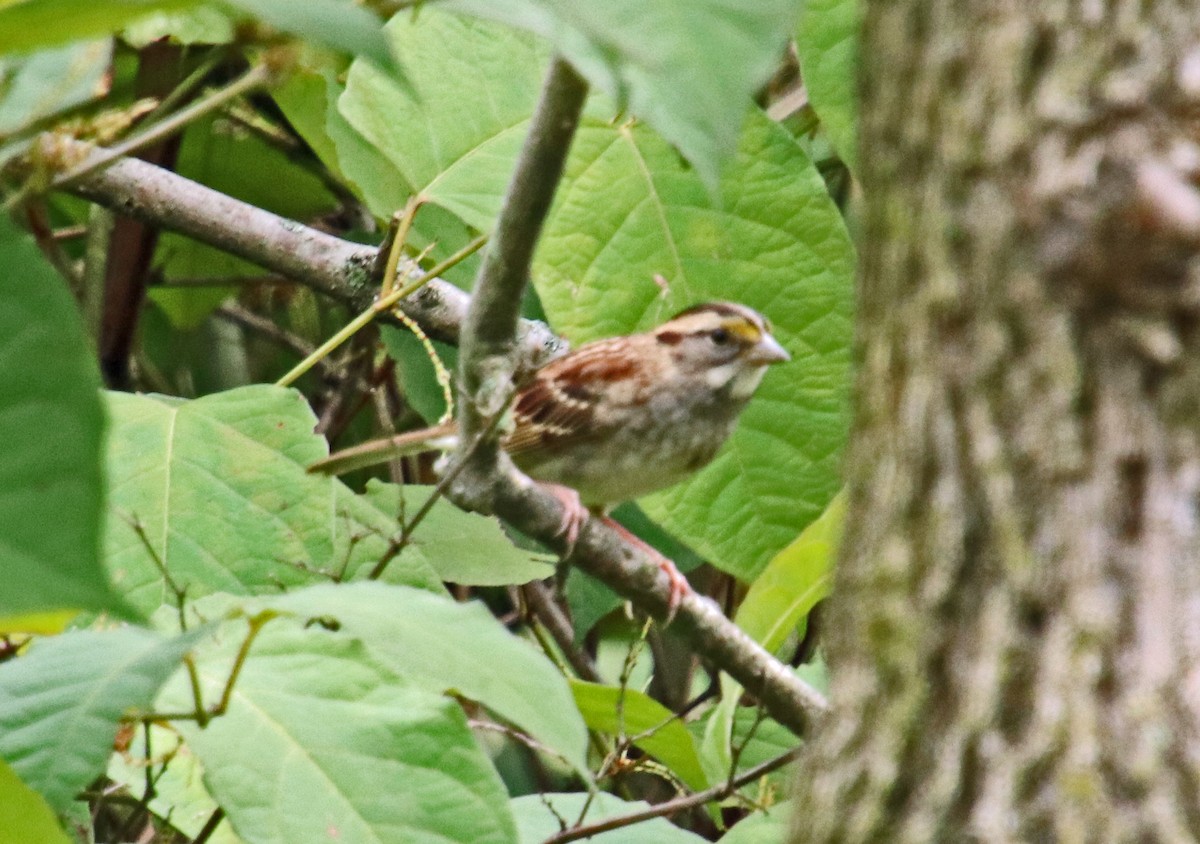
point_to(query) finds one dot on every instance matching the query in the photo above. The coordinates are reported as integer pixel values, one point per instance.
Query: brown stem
(679, 804)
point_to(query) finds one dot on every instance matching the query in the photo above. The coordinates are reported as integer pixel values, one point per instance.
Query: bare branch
(338, 268)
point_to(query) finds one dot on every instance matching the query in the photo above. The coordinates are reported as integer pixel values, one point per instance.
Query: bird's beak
(767, 351)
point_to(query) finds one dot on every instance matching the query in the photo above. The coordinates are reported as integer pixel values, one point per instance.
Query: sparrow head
(722, 341)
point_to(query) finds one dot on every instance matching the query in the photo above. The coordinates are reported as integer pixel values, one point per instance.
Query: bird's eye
(720, 336)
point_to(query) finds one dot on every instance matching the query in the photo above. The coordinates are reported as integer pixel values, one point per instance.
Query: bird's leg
(574, 513)
(678, 583)
(574, 516)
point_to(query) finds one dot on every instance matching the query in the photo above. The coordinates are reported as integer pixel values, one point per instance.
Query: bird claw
(677, 585)
(574, 513)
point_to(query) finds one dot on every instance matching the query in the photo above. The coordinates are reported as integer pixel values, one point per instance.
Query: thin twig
(383, 305)
(679, 804)
(448, 477)
(271, 330)
(210, 826)
(547, 610)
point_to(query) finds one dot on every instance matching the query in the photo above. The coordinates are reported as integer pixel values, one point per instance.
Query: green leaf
(30, 24)
(339, 24)
(793, 582)
(443, 645)
(60, 703)
(827, 42)
(220, 489)
(41, 84)
(540, 815)
(321, 740)
(604, 711)
(51, 424)
(628, 211)
(473, 87)
(461, 547)
(770, 827)
(647, 53)
(26, 816)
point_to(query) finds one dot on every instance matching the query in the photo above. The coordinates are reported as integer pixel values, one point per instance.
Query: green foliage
(60, 704)
(37, 85)
(794, 580)
(215, 490)
(320, 736)
(339, 24)
(770, 827)
(30, 24)
(628, 712)
(643, 53)
(444, 646)
(51, 424)
(827, 42)
(373, 711)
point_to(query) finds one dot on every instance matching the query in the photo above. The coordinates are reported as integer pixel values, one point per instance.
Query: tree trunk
(1015, 631)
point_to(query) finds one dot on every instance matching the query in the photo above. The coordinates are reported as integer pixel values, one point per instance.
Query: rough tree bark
(1015, 629)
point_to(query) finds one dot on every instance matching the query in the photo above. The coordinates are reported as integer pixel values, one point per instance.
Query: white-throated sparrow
(619, 418)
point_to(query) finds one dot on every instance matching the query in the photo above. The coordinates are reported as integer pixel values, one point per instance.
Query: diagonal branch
(337, 268)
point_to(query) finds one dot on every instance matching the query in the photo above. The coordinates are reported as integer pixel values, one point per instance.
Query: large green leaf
(443, 645)
(827, 42)
(464, 548)
(29, 24)
(60, 703)
(632, 713)
(687, 69)
(51, 423)
(540, 815)
(321, 742)
(26, 816)
(795, 579)
(455, 134)
(219, 488)
(628, 211)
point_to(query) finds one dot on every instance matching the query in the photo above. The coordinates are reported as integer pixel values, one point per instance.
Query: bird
(619, 418)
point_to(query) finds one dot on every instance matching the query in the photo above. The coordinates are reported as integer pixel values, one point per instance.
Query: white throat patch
(745, 378)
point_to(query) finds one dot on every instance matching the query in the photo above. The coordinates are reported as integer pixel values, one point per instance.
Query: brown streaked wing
(559, 406)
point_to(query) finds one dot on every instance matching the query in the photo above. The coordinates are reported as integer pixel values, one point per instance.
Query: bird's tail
(442, 437)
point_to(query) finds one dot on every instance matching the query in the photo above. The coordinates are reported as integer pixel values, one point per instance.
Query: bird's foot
(677, 584)
(574, 513)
